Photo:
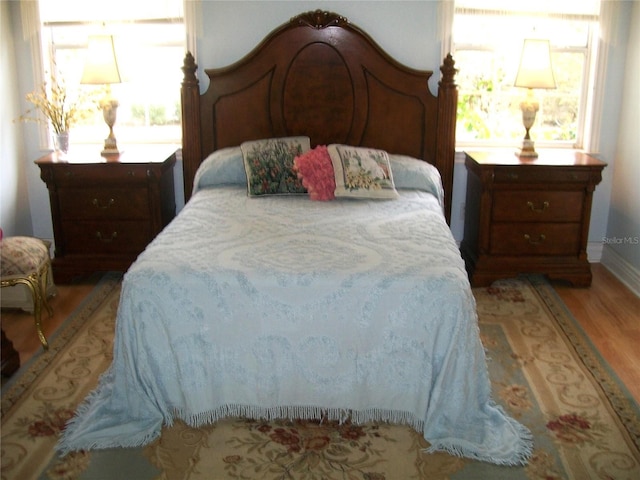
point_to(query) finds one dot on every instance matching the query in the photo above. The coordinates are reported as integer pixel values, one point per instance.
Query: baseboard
(594, 252)
(623, 270)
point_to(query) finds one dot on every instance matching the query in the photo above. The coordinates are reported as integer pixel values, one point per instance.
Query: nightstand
(528, 215)
(106, 209)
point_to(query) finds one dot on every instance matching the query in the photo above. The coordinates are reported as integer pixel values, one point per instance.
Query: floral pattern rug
(544, 371)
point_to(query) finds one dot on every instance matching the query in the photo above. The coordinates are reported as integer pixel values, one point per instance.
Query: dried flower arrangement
(58, 108)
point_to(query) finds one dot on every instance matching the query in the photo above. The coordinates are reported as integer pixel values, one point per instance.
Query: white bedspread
(284, 307)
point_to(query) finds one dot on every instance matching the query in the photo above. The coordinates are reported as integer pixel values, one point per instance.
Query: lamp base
(109, 111)
(527, 150)
(110, 150)
(110, 147)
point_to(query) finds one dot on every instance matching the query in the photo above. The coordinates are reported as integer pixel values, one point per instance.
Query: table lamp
(101, 68)
(534, 72)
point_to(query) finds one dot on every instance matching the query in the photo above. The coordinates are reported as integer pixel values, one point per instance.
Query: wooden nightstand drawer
(540, 175)
(98, 203)
(537, 206)
(99, 173)
(99, 237)
(534, 238)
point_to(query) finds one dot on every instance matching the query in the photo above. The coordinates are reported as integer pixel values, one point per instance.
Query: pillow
(222, 167)
(412, 173)
(316, 171)
(362, 172)
(269, 165)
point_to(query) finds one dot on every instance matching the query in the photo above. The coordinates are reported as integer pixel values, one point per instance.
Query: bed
(275, 305)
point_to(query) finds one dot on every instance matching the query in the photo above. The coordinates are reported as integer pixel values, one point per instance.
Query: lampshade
(101, 66)
(535, 65)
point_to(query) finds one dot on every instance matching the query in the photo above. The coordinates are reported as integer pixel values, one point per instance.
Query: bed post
(446, 129)
(191, 145)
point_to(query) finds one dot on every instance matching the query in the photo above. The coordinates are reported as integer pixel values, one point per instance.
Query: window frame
(587, 97)
(46, 50)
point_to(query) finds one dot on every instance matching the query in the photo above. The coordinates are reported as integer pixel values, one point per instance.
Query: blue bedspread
(284, 307)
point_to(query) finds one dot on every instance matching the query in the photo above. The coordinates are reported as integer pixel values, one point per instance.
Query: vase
(61, 142)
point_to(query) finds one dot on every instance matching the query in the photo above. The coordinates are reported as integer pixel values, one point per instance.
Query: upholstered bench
(26, 262)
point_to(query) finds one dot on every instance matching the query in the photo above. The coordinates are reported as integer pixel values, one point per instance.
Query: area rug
(544, 371)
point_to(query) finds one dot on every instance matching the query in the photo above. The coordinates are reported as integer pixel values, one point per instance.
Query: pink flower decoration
(315, 170)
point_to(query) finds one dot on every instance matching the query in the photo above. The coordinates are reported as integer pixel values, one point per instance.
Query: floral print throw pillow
(362, 172)
(269, 165)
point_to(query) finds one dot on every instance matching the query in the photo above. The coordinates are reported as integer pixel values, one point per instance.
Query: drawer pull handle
(533, 208)
(97, 204)
(513, 176)
(541, 238)
(108, 239)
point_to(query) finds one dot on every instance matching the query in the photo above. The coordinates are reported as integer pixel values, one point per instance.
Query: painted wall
(15, 211)
(621, 251)
(407, 30)
(34, 207)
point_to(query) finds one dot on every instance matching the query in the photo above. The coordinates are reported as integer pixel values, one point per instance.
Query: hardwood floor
(19, 326)
(610, 315)
(608, 312)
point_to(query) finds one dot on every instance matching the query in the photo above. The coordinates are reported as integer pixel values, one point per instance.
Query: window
(149, 40)
(487, 38)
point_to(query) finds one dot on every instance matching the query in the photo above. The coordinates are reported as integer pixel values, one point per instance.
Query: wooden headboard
(320, 76)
